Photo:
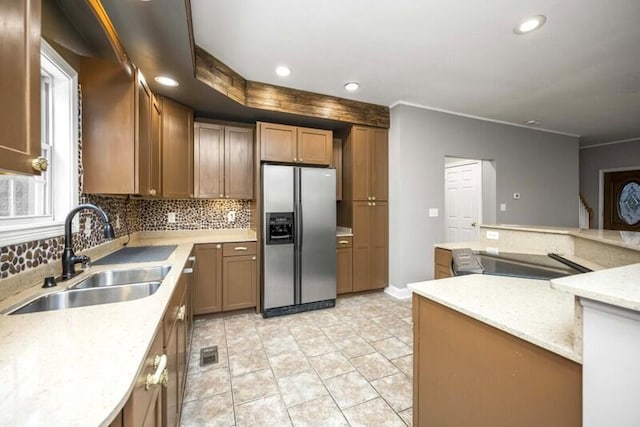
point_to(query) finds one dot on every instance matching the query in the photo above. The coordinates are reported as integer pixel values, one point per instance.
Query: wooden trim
(583, 200)
(192, 44)
(222, 78)
(114, 39)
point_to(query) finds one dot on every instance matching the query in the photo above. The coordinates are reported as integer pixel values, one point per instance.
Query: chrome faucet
(69, 259)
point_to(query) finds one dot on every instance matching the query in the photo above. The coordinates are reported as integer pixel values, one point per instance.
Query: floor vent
(208, 355)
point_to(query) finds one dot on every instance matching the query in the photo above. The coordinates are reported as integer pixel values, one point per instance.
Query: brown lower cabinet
(370, 243)
(442, 263)
(344, 265)
(467, 373)
(225, 277)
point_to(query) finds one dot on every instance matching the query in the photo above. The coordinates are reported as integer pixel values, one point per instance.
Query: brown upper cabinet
(290, 144)
(177, 149)
(223, 161)
(121, 132)
(337, 164)
(366, 154)
(20, 85)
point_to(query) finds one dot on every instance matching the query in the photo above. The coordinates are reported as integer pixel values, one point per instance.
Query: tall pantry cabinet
(364, 205)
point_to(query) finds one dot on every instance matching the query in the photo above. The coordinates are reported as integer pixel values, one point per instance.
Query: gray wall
(593, 159)
(541, 166)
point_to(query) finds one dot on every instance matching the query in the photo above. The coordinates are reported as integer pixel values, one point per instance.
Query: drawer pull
(160, 376)
(343, 242)
(191, 258)
(181, 312)
(240, 248)
(188, 271)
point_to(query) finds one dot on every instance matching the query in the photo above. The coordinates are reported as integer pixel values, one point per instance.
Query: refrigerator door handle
(297, 236)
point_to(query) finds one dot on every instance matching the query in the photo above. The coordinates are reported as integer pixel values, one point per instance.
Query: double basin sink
(103, 287)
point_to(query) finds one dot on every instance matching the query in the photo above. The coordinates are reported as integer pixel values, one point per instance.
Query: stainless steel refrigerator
(299, 252)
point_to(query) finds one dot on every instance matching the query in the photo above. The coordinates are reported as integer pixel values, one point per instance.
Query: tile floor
(348, 365)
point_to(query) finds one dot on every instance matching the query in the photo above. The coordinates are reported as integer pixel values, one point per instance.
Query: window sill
(30, 232)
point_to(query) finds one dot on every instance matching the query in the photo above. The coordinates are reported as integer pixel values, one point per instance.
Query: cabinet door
(154, 415)
(208, 150)
(20, 85)
(207, 290)
(238, 164)
(278, 142)
(379, 146)
(337, 163)
(360, 163)
(156, 149)
(239, 282)
(344, 271)
(182, 351)
(361, 246)
(170, 395)
(144, 100)
(315, 146)
(379, 245)
(177, 150)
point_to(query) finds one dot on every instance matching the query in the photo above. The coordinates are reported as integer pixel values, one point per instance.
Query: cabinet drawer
(443, 257)
(441, 272)
(171, 315)
(239, 248)
(344, 242)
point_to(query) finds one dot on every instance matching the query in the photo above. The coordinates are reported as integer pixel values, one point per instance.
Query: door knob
(40, 164)
(473, 224)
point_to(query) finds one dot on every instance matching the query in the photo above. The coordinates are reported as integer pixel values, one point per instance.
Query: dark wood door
(20, 85)
(144, 100)
(238, 164)
(622, 200)
(239, 282)
(170, 393)
(344, 269)
(207, 279)
(379, 245)
(315, 146)
(361, 246)
(360, 164)
(278, 142)
(379, 146)
(177, 150)
(208, 151)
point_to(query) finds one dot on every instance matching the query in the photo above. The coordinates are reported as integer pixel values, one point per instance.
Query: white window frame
(64, 162)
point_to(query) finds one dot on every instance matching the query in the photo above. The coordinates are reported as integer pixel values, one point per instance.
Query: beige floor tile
(350, 389)
(272, 330)
(373, 366)
(373, 413)
(389, 321)
(207, 383)
(268, 412)
(280, 344)
(253, 385)
(338, 332)
(331, 364)
(392, 348)
(316, 346)
(407, 416)
(354, 347)
(194, 361)
(243, 343)
(373, 332)
(396, 389)
(301, 387)
(246, 362)
(286, 364)
(305, 332)
(405, 364)
(319, 412)
(215, 411)
(325, 318)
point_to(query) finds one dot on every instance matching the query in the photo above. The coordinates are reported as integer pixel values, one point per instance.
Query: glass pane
(5, 183)
(22, 199)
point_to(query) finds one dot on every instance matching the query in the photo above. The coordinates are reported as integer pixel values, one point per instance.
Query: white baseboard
(398, 293)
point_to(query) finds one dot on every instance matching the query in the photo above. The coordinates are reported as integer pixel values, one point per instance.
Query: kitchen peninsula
(528, 345)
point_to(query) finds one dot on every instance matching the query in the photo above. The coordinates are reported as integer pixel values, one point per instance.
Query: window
(34, 207)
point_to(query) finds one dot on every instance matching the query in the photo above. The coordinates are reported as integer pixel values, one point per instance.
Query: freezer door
(278, 273)
(317, 240)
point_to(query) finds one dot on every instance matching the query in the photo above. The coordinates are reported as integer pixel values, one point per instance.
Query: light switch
(171, 217)
(433, 212)
(503, 207)
(231, 216)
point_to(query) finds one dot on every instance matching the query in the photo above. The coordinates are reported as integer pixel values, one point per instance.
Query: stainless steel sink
(123, 277)
(89, 296)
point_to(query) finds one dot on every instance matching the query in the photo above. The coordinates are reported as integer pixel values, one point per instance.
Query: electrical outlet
(117, 221)
(433, 212)
(231, 216)
(171, 217)
(503, 207)
(87, 226)
(493, 235)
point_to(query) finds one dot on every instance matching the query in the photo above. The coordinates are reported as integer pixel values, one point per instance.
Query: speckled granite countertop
(528, 309)
(77, 367)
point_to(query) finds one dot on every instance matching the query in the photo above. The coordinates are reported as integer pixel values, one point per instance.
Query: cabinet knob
(152, 192)
(181, 312)
(40, 164)
(373, 198)
(373, 204)
(295, 160)
(253, 258)
(160, 376)
(218, 246)
(368, 203)
(222, 195)
(369, 198)
(227, 196)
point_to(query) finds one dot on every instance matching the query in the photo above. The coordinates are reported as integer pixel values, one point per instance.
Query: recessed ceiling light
(352, 86)
(283, 70)
(532, 123)
(166, 81)
(530, 24)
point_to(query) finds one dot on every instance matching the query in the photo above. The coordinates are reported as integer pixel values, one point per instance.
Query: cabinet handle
(343, 242)
(181, 312)
(187, 270)
(253, 258)
(240, 248)
(40, 164)
(191, 258)
(160, 375)
(295, 160)
(152, 192)
(218, 246)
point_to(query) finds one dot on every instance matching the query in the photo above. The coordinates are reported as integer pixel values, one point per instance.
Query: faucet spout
(69, 259)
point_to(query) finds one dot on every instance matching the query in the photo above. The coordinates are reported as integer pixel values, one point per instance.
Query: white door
(463, 200)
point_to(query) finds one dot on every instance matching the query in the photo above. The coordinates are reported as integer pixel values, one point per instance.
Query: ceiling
(579, 74)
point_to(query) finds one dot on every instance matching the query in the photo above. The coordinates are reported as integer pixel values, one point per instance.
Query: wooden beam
(220, 77)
